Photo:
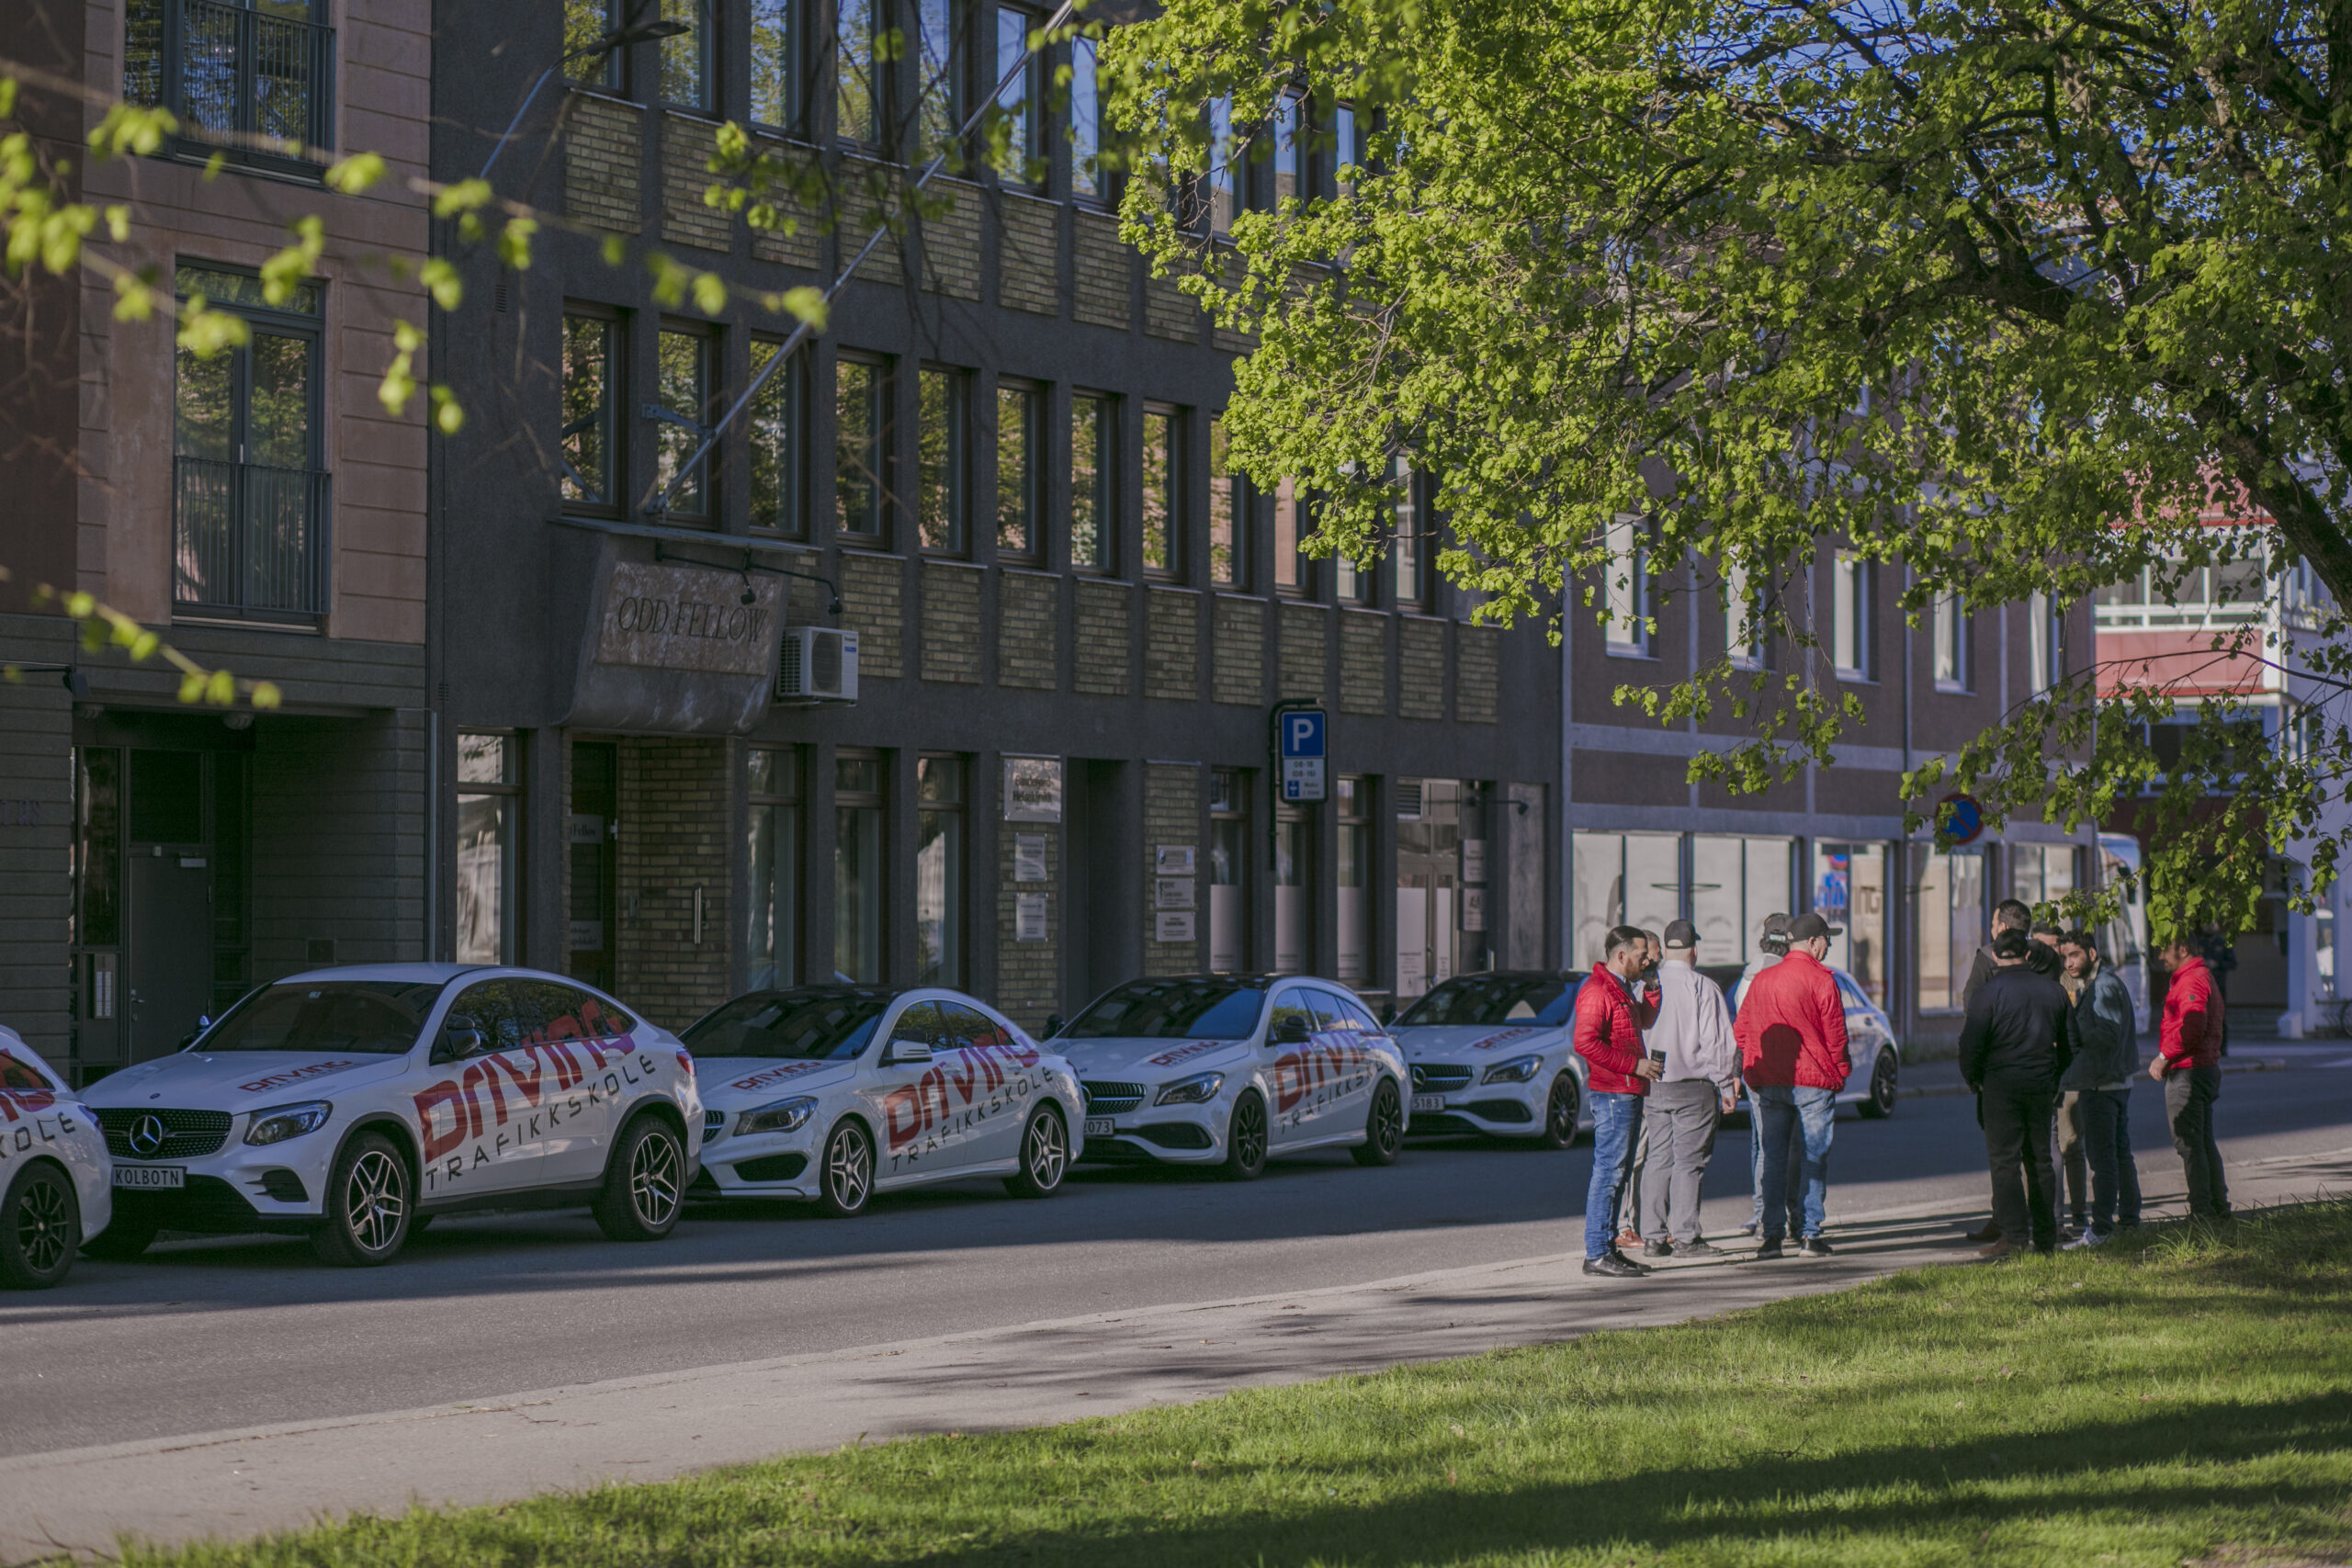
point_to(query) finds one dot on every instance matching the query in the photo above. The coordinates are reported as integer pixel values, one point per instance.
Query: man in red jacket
(2188, 1063)
(1607, 1035)
(1793, 1052)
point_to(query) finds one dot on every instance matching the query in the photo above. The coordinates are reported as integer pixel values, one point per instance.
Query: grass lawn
(2185, 1396)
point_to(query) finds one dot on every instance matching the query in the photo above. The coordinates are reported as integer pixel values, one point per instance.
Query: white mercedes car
(1494, 1053)
(353, 1105)
(837, 1093)
(53, 1166)
(1226, 1070)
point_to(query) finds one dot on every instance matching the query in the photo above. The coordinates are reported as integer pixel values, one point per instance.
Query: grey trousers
(1680, 1123)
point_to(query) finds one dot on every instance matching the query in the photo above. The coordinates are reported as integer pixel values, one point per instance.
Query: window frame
(614, 399)
(1172, 419)
(1742, 601)
(711, 345)
(507, 788)
(1853, 594)
(1104, 501)
(1229, 504)
(950, 469)
(1082, 129)
(787, 793)
(1413, 500)
(1030, 165)
(956, 918)
(1290, 510)
(792, 16)
(790, 385)
(876, 800)
(1950, 629)
(874, 133)
(705, 22)
(879, 411)
(1029, 397)
(191, 140)
(1625, 588)
(612, 75)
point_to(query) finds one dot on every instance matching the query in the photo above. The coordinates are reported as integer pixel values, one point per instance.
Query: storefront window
(1734, 883)
(1441, 928)
(1353, 878)
(1849, 890)
(1229, 871)
(939, 872)
(1951, 924)
(859, 869)
(1618, 879)
(2042, 874)
(1293, 930)
(772, 858)
(489, 812)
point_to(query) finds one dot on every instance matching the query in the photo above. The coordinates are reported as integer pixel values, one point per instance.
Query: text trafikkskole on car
(53, 1170)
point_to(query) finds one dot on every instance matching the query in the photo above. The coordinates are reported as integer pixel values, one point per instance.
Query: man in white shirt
(1698, 1084)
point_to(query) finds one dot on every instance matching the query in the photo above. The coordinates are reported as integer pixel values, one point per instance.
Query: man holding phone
(1607, 1035)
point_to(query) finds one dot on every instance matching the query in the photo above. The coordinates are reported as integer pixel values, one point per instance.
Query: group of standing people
(2048, 1043)
(1666, 1059)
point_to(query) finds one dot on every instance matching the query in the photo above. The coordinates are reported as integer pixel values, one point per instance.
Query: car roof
(412, 973)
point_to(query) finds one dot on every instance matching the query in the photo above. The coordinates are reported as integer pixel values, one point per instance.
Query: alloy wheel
(1250, 1130)
(849, 1166)
(1562, 1113)
(1049, 1150)
(44, 1226)
(653, 1184)
(1388, 1121)
(374, 1200)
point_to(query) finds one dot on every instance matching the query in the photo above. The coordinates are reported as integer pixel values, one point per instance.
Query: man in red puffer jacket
(1607, 1035)
(2188, 1063)
(1791, 1034)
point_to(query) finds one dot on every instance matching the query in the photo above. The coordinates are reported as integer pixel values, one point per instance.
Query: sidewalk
(237, 1484)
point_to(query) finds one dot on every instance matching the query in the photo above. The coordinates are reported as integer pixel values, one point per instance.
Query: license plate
(1429, 1102)
(1099, 1126)
(151, 1177)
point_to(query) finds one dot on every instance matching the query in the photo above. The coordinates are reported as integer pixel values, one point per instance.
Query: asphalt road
(224, 1333)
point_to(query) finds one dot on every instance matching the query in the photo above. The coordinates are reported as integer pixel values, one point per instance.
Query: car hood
(1476, 1043)
(1149, 1061)
(756, 1080)
(240, 1080)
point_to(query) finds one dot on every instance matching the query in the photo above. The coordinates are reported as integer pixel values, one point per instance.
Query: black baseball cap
(1681, 934)
(1810, 924)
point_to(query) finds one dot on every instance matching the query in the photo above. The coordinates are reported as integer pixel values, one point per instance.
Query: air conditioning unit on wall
(818, 664)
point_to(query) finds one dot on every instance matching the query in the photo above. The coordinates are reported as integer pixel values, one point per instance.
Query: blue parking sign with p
(1303, 734)
(1299, 736)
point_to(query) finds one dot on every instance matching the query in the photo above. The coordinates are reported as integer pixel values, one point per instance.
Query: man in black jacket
(2105, 1045)
(2008, 915)
(2009, 1054)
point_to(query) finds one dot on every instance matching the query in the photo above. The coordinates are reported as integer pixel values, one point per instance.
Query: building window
(1229, 513)
(1849, 889)
(858, 69)
(1951, 923)
(589, 455)
(939, 498)
(1410, 548)
(1618, 879)
(1092, 440)
(686, 57)
(250, 504)
(252, 83)
(490, 806)
(1628, 591)
(1290, 150)
(1951, 644)
(861, 448)
(682, 379)
(1352, 880)
(1087, 178)
(1850, 583)
(1018, 411)
(1743, 622)
(939, 871)
(860, 868)
(777, 435)
(1224, 177)
(1162, 539)
(1018, 158)
(776, 66)
(2042, 874)
(1290, 567)
(1351, 584)
(2045, 633)
(771, 857)
(1229, 871)
(1734, 883)
(585, 22)
(939, 66)
(1293, 855)
(1347, 151)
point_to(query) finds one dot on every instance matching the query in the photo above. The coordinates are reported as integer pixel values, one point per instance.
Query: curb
(1959, 1090)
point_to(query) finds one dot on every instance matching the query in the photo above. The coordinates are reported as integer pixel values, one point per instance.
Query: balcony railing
(250, 542)
(253, 84)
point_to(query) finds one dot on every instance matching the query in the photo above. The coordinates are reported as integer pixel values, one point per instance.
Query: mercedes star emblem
(147, 1134)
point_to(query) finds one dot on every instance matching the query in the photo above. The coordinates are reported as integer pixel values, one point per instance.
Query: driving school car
(351, 1104)
(836, 1092)
(1226, 1070)
(53, 1169)
(1494, 1053)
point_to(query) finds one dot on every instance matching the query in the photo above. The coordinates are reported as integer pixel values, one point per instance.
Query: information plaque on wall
(1173, 925)
(1029, 916)
(1028, 857)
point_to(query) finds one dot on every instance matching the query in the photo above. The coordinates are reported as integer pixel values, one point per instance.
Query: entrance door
(171, 947)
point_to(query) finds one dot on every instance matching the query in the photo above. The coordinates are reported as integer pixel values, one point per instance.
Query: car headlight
(1519, 1069)
(779, 1116)
(281, 1122)
(1199, 1087)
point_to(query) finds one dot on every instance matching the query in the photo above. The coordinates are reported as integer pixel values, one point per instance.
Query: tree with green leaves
(2007, 294)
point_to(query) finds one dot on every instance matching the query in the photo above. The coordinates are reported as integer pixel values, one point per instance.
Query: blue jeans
(1808, 1116)
(1616, 1123)
(1793, 1186)
(2115, 1176)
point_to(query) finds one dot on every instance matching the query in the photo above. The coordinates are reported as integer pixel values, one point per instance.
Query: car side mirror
(460, 1038)
(907, 1053)
(1290, 1031)
(193, 1035)
(1053, 1023)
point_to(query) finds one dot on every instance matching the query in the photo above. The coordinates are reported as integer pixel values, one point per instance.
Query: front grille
(1437, 1077)
(186, 1133)
(1111, 1098)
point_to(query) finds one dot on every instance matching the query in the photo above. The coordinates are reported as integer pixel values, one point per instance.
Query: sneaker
(1813, 1246)
(1696, 1248)
(1985, 1235)
(2089, 1239)
(1659, 1248)
(1751, 1227)
(1769, 1247)
(1614, 1267)
(2069, 1234)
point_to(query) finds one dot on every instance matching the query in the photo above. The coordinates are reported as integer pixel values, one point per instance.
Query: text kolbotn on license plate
(151, 1177)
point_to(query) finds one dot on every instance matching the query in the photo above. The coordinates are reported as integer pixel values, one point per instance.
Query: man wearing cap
(1792, 1047)
(1771, 946)
(2010, 1055)
(1607, 1035)
(1698, 1081)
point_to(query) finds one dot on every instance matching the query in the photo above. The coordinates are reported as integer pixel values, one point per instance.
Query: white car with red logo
(53, 1166)
(837, 1093)
(1494, 1053)
(1229, 1070)
(352, 1105)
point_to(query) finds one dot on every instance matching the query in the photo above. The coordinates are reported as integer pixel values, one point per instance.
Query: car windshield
(792, 1026)
(375, 1018)
(1171, 1010)
(1484, 1000)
